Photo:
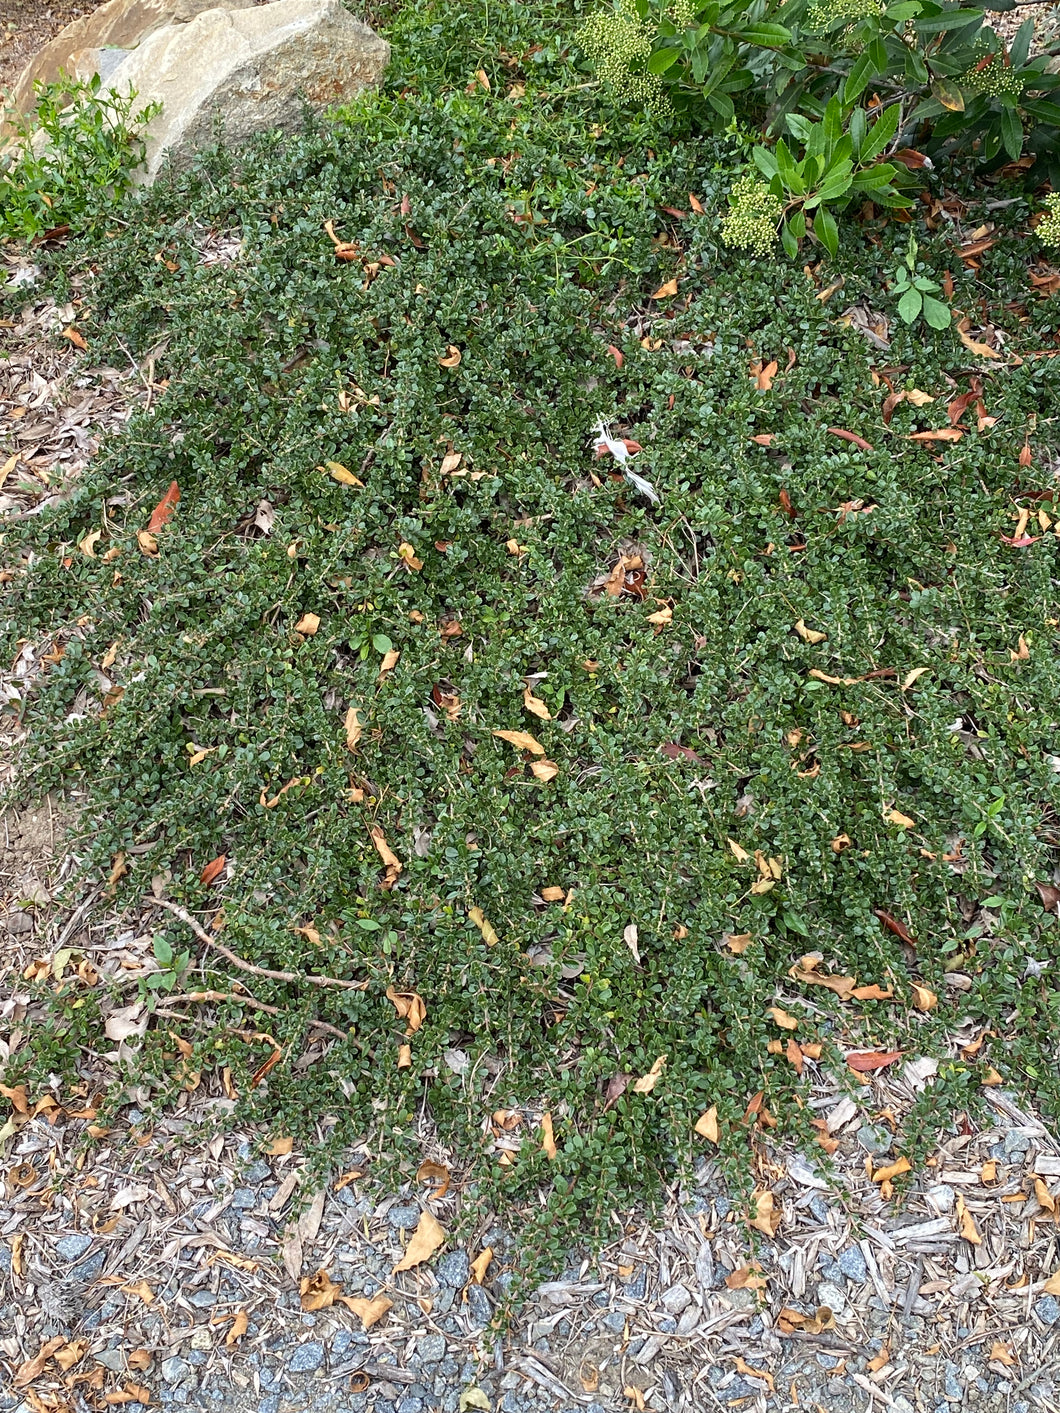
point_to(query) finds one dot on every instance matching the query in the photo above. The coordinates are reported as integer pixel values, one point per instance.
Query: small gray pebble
(941, 1196)
(952, 1383)
(874, 1138)
(202, 1299)
(114, 1359)
(406, 1217)
(1047, 1309)
(410, 1404)
(71, 1248)
(175, 1370)
(830, 1270)
(258, 1171)
(478, 1305)
(454, 1269)
(673, 1300)
(738, 1389)
(443, 1301)
(667, 1325)
(91, 1267)
(819, 1208)
(852, 1264)
(340, 1343)
(831, 1295)
(197, 1357)
(431, 1348)
(305, 1358)
(243, 1199)
(601, 1298)
(636, 1288)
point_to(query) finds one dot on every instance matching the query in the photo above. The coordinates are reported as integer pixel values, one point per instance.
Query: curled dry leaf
(893, 816)
(536, 706)
(426, 1239)
(390, 859)
(865, 1061)
(480, 1265)
(914, 676)
(809, 635)
(369, 1312)
(664, 616)
(33, 1368)
(782, 1018)
(429, 1171)
(666, 291)
(647, 1082)
(452, 357)
(1002, 1353)
(805, 969)
(213, 870)
(240, 1324)
(318, 1292)
(338, 472)
(548, 1137)
(489, 936)
(768, 1215)
(147, 542)
(522, 741)
(739, 854)
(353, 728)
(892, 1170)
(408, 556)
(749, 1277)
(404, 1059)
(924, 999)
(409, 1006)
(841, 842)
(969, 1230)
(737, 942)
(87, 546)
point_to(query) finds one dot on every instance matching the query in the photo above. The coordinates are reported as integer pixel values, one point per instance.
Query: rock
(404, 1217)
(244, 72)
(410, 1404)
(830, 1295)
(70, 1248)
(112, 1359)
(243, 1199)
(175, 1370)
(202, 1299)
(615, 1321)
(453, 1269)
(120, 24)
(431, 1348)
(874, 1138)
(942, 1197)
(19, 921)
(1047, 1309)
(478, 1305)
(305, 1358)
(675, 1299)
(259, 1171)
(852, 1264)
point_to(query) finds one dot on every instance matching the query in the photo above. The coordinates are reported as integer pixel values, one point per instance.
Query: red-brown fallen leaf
(975, 247)
(851, 437)
(786, 505)
(865, 1061)
(163, 511)
(1050, 896)
(696, 204)
(872, 993)
(1020, 542)
(213, 869)
(765, 438)
(76, 338)
(676, 752)
(895, 925)
(666, 291)
(959, 406)
(616, 354)
(673, 211)
(1025, 456)
(910, 158)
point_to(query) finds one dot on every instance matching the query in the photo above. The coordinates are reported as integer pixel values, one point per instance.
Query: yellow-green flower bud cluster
(823, 14)
(612, 41)
(1048, 231)
(683, 13)
(996, 79)
(753, 218)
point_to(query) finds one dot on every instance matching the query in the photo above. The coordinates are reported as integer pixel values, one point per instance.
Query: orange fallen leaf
(404, 1059)
(742, 1367)
(544, 770)
(666, 291)
(522, 741)
(863, 1062)
(893, 816)
(707, 1124)
(353, 728)
(945, 434)
(782, 1018)
(536, 705)
(548, 1137)
(1002, 1353)
(409, 1006)
(749, 1277)
(809, 635)
(240, 1325)
(429, 1171)
(983, 350)
(32, 1368)
(390, 859)
(871, 993)
(212, 870)
(338, 472)
(480, 1265)
(163, 511)
(318, 1292)
(767, 1215)
(279, 1147)
(142, 1290)
(426, 1239)
(969, 1230)
(892, 1170)
(647, 1082)
(370, 1312)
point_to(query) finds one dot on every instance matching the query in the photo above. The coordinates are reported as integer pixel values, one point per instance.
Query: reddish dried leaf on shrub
(163, 511)
(213, 869)
(864, 1062)
(895, 925)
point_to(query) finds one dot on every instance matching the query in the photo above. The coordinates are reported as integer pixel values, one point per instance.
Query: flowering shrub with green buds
(813, 75)
(1048, 231)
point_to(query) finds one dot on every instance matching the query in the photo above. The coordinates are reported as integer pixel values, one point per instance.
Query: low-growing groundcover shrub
(806, 704)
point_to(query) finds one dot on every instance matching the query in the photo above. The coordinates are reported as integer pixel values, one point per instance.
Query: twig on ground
(229, 955)
(244, 999)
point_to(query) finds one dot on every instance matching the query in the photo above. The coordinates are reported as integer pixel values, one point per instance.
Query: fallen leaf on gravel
(129, 1393)
(969, 1230)
(409, 1007)
(480, 1265)
(139, 1359)
(33, 1367)
(742, 1367)
(370, 1312)
(635, 1396)
(426, 1239)
(707, 1124)
(142, 1290)
(748, 1277)
(474, 1397)
(1002, 1353)
(163, 511)
(647, 1082)
(548, 1138)
(536, 705)
(489, 936)
(789, 1320)
(390, 859)
(768, 1216)
(1052, 1285)
(307, 624)
(429, 1171)
(924, 999)
(522, 741)
(213, 870)
(318, 1292)
(892, 1170)
(865, 1061)
(544, 770)
(240, 1323)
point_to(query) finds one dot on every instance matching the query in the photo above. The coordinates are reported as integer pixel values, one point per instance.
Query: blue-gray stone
(819, 1208)
(197, 1357)
(202, 1299)
(175, 1370)
(269, 1404)
(448, 1367)
(830, 1269)
(443, 1301)
(1047, 1309)
(952, 1382)
(667, 1325)
(874, 1138)
(615, 1321)
(243, 1199)
(723, 1207)
(91, 1267)
(410, 1404)
(478, 1305)
(738, 1389)
(71, 1248)
(453, 1269)
(258, 1171)
(431, 1348)
(852, 1264)
(407, 1217)
(601, 1298)
(305, 1358)
(636, 1288)
(340, 1343)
